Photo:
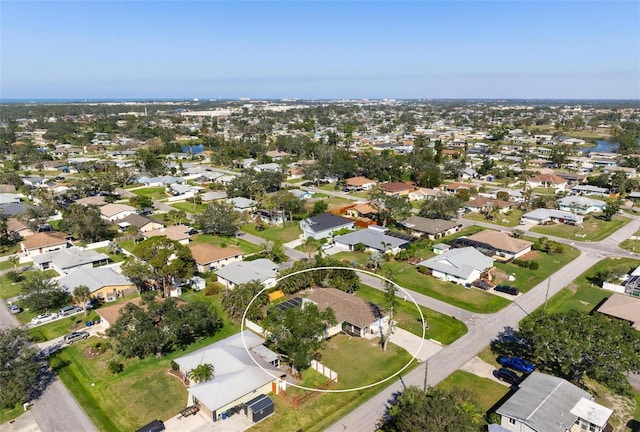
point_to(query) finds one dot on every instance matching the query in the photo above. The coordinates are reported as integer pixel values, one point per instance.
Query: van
(76, 336)
(154, 426)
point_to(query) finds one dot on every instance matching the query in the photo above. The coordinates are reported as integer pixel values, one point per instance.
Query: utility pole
(426, 371)
(546, 296)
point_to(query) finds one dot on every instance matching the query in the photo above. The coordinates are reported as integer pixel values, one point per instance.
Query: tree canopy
(299, 333)
(18, 367)
(218, 218)
(86, 223)
(445, 207)
(40, 293)
(158, 327)
(437, 410)
(161, 261)
(574, 344)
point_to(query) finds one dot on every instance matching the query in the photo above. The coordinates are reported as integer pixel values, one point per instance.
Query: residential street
(454, 356)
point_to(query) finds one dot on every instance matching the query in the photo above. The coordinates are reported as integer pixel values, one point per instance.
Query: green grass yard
(188, 207)
(632, 245)
(510, 219)
(151, 192)
(593, 229)
(358, 362)
(486, 391)
(247, 247)
(289, 232)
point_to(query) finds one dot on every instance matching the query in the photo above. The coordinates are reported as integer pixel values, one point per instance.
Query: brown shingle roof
(396, 186)
(205, 253)
(483, 202)
(623, 307)
(500, 240)
(174, 232)
(346, 307)
(44, 239)
(358, 181)
(548, 178)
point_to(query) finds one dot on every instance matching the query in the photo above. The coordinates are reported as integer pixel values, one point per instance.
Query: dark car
(509, 376)
(154, 426)
(481, 284)
(507, 289)
(516, 363)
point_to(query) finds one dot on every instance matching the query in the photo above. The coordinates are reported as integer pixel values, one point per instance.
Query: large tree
(437, 410)
(18, 367)
(86, 223)
(158, 327)
(444, 207)
(574, 344)
(39, 293)
(161, 261)
(235, 301)
(299, 333)
(390, 207)
(218, 218)
(82, 295)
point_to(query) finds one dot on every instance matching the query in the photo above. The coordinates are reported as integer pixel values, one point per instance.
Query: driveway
(411, 343)
(481, 368)
(24, 423)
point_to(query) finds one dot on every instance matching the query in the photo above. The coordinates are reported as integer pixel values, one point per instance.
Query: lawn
(188, 207)
(442, 328)
(128, 245)
(351, 257)
(10, 414)
(152, 192)
(289, 232)
(526, 279)
(116, 258)
(358, 362)
(593, 229)
(332, 201)
(471, 299)
(466, 231)
(142, 392)
(9, 249)
(632, 244)
(510, 219)
(247, 247)
(486, 391)
(9, 289)
(582, 294)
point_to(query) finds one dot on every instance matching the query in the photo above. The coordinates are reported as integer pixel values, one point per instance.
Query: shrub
(115, 367)
(422, 269)
(14, 276)
(174, 365)
(359, 247)
(533, 265)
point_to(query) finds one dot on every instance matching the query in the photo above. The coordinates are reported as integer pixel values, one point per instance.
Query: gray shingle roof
(429, 226)
(544, 403)
(93, 278)
(372, 237)
(70, 257)
(246, 271)
(459, 262)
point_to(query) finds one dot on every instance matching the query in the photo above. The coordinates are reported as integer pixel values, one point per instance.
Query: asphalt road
(55, 410)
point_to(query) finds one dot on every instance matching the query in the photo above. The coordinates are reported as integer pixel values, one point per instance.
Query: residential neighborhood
(243, 264)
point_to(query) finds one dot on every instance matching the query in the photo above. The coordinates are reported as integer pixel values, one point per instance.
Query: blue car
(516, 363)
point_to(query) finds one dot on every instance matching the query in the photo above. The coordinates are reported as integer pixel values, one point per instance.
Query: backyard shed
(259, 408)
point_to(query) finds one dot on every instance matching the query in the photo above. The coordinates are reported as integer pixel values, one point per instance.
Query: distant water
(602, 146)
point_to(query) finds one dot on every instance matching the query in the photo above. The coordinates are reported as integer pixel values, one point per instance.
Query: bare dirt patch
(530, 255)
(498, 276)
(92, 352)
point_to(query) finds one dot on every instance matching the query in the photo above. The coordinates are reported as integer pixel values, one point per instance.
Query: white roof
(592, 412)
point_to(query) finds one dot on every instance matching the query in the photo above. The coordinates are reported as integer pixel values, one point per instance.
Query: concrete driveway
(481, 368)
(24, 423)
(411, 343)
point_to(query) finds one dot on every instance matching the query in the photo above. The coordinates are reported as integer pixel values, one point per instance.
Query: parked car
(516, 363)
(507, 289)
(154, 426)
(44, 318)
(70, 310)
(484, 285)
(508, 376)
(75, 336)
(14, 309)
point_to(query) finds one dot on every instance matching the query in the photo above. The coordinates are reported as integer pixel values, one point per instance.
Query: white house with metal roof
(67, 260)
(544, 403)
(375, 238)
(542, 215)
(239, 373)
(461, 266)
(581, 204)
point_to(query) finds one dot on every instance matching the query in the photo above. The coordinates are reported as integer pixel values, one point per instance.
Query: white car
(44, 318)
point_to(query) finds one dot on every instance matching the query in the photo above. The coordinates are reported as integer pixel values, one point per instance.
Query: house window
(512, 421)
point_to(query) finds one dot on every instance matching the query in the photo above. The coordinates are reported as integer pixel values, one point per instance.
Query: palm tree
(14, 260)
(202, 372)
(82, 295)
(310, 245)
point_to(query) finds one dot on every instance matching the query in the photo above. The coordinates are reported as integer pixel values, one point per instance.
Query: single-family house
(179, 233)
(581, 205)
(268, 167)
(271, 217)
(543, 215)
(18, 229)
(590, 190)
(359, 184)
(114, 212)
(548, 181)
(277, 154)
(353, 314)
(65, 261)
(420, 194)
(396, 188)
(242, 272)
(479, 204)
(454, 187)
(9, 198)
(431, 228)
(209, 257)
(363, 210)
(212, 196)
(544, 403)
(34, 181)
(96, 200)
(323, 226)
(375, 238)
(461, 266)
(242, 204)
(142, 223)
(244, 370)
(14, 209)
(496, 244)
(44, 242)
(622, 307)
(104, 283)
(628, 284)
(300, 194)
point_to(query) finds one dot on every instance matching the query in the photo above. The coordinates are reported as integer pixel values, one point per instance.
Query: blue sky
(318, 49)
